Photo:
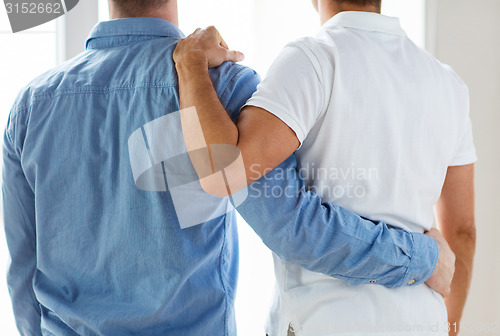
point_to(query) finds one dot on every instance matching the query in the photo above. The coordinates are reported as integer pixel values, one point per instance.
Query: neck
(328, 9)
(167, 12)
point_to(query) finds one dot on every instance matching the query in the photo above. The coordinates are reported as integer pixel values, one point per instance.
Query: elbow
(227, 171)
(466, 231)
(468, 228)
(469, 232)
(224, 183)
(215, 186)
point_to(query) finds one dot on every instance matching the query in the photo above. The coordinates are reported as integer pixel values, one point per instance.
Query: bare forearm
(263, 140)
(196, 90)
(463, 245)
(455, 217)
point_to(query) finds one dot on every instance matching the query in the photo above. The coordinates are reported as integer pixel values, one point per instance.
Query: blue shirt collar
(108, 34)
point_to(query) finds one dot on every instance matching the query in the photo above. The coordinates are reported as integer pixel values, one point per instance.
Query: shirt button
(412, 281)
(373, 281)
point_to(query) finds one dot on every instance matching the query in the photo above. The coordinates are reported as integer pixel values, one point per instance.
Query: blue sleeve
(322, 237)
(19, 223)
(325, 238)
(234, 84)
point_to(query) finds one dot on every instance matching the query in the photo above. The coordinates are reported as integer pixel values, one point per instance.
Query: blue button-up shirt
(92, 254)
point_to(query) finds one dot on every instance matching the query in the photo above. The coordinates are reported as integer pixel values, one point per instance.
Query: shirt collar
(108, 34)
(367, 21)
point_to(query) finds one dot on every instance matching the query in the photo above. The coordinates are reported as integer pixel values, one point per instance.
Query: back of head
(362, 3)
(137, 8)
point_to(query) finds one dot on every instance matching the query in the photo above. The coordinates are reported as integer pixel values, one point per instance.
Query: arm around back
(321, 237)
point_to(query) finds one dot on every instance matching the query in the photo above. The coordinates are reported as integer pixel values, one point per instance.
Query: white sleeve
(292, 90)
(466, 151)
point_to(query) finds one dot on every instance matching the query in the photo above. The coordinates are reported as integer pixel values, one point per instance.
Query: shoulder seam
(316, 65)
(231, 79)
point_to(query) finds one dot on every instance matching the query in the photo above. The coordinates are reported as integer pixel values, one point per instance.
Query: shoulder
(230, 74)
(307, 60)
(318, 51)
(39, 88)
(458, 83)
(443, 72)
(304, 49)
(45, 85)
(449, 82)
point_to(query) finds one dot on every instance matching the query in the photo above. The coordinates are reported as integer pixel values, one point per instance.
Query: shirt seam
(63, 92)
(114, 45)
(221, 255)
(462, 133)
(9, 130)
(104, 90)
(301, 46)
(407, 271)
(464, 159)
(127, 33)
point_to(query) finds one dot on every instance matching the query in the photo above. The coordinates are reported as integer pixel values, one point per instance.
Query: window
(412, 16)
(259, 28)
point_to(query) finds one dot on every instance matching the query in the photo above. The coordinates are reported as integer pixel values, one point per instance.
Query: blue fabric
(94, 255)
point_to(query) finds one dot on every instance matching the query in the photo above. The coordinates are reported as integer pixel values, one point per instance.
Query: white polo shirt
(379, 120)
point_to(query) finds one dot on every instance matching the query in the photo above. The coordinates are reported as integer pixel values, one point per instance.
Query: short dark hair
(376, 3)
(139, 6)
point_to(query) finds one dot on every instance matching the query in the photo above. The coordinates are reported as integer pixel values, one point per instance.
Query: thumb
(222, 55)
(234, 56)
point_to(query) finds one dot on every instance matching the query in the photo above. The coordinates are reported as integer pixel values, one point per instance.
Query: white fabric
(379, 120)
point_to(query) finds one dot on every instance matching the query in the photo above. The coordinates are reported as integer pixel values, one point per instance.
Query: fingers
(193, 34)
(223, 55)
(222, 42)
(227, 55)
(215, 33)
(231, 55)
(435, 233)
(210, 45)
(234, 56)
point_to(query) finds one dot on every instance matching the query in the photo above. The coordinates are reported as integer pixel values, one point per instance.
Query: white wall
(74, 27)
(466, 35)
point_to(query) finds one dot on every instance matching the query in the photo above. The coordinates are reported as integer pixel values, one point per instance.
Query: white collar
(367, 21)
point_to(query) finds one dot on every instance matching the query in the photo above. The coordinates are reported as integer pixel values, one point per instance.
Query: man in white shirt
(380, 128)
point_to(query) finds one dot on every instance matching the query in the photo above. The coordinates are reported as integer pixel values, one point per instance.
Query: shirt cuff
(464, 159)
(423, 260)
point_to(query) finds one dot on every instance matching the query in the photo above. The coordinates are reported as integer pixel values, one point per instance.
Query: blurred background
(462, 33)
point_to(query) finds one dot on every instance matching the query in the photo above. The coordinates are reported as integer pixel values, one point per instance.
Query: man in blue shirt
(93, 254)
